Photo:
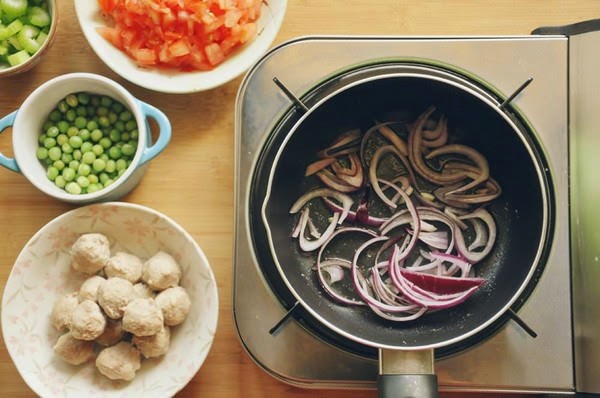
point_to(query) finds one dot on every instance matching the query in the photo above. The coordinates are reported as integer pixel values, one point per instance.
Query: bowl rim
(31, 62)
(212, 322)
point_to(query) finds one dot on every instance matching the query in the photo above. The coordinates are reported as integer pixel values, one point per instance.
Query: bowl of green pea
(83, 138)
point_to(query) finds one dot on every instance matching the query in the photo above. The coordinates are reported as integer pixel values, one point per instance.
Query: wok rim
(526, 136)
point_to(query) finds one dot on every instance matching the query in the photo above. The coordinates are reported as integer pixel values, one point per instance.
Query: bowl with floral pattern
(42, 272)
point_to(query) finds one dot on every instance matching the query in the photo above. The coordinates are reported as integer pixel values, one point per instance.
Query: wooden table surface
(192, 180)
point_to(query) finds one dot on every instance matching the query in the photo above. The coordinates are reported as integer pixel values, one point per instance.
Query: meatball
(119, 362)
(161, 271)
(175, 305)
(154, 346)
(72, 350)
(141, 290)
(113, 333)
(124, 265)
(90, 253)
(142, 317)
(89, 288)
(87, 321)
(60, 318)
(114, 295)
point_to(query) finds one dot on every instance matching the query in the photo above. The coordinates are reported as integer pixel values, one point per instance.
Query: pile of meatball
(122, 312)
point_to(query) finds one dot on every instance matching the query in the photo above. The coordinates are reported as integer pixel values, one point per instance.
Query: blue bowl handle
(5, 122)
(164, 132)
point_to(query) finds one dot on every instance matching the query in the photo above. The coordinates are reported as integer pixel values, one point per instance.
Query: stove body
(509, 360)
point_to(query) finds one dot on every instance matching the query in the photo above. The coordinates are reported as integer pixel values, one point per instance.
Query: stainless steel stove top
(510, 360)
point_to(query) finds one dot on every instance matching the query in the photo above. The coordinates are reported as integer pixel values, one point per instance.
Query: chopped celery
(24, 28)
(18, 58)
(26, 38)
(14, 42)
(12, 9)
(41, 37)
(38, 16)
(11, 29)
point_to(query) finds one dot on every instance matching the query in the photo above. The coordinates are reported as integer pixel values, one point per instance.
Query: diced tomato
(184, 34)
(214, 54)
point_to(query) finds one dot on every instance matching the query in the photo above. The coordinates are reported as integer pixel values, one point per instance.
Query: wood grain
(192, 181)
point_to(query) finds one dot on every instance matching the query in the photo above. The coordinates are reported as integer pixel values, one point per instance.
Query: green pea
(41, 153)
(114, 135)
(128, 149)
(63, 126)
(62, 139)
(84, 169)
(59, 164)
(105, 142)
(77, 154)
(80, 122)
(84, 134)
(52, 131)
(86, 147)
(83, 98)
(66, 148)
(114, 152)
(99, 165)
(96, 135)
(72, 131)
(52, 173)
(68, 174)
(70, 115)
(93, 187)
(125, 116)
(55, 115)
(88, 157)
(75, 141)
(121, 164)
(66, 157)
(110, 166)
(60, 181)
(83, 181)
(71, 100)
(74, 164)
(98, 149)
(73, 188)
(54, 153)
(49, 142)
(92, 125)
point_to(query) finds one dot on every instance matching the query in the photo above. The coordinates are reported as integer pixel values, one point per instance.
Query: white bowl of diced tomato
(180, 46)
(27, 30)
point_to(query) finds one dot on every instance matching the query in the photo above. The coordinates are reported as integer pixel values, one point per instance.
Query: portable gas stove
(563, 309)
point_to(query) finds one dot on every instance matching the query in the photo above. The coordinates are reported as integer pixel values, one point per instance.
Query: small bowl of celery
(27, 29)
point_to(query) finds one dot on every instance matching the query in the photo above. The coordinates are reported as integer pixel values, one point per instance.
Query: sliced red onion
(481, 235)
(301, 220)
(374, 180)
(327, 265)
(457, 263)
(435, 239)
(318, 166)
(312, 245)
(334, 182)
(344, 199)
(476, 256)
(352, 216)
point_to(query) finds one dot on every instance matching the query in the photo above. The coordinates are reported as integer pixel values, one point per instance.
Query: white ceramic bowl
(170, 81)
(6, 70)
(42, 273)
(27, 122)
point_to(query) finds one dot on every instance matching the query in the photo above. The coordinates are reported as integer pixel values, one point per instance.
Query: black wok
(523, 213)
